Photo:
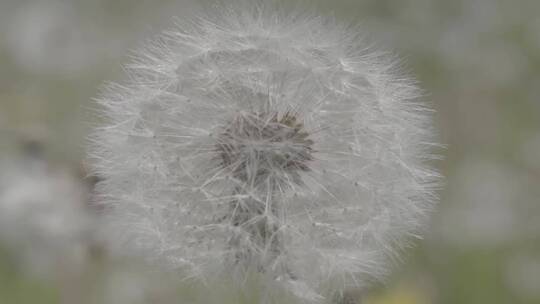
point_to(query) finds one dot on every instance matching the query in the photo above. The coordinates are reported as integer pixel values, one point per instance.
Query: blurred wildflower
(45, 36)
(262, 141)
(43, 219)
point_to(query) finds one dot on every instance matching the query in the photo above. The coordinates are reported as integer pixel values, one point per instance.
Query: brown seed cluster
(257, 145)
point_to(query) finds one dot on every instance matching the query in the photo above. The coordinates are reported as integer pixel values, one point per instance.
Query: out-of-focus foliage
(477, 60)
(15, 287)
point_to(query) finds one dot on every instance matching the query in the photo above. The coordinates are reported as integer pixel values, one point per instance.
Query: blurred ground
(477, 60)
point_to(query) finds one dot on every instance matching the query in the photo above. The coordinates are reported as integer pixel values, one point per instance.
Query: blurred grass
(17, 288)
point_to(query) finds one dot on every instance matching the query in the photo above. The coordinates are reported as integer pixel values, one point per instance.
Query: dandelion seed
(258, 141)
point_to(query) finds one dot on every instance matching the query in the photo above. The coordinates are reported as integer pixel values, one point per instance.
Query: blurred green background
(478, 62)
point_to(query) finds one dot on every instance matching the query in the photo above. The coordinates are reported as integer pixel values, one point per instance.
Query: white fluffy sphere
(255, 140)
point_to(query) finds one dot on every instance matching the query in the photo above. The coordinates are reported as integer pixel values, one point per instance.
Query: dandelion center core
(255, 145)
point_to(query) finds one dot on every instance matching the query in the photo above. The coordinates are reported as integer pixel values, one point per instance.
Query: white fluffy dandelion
(258, 141)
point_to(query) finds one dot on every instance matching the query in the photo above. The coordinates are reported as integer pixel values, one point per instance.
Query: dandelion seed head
(257, 145)
(259, 140)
